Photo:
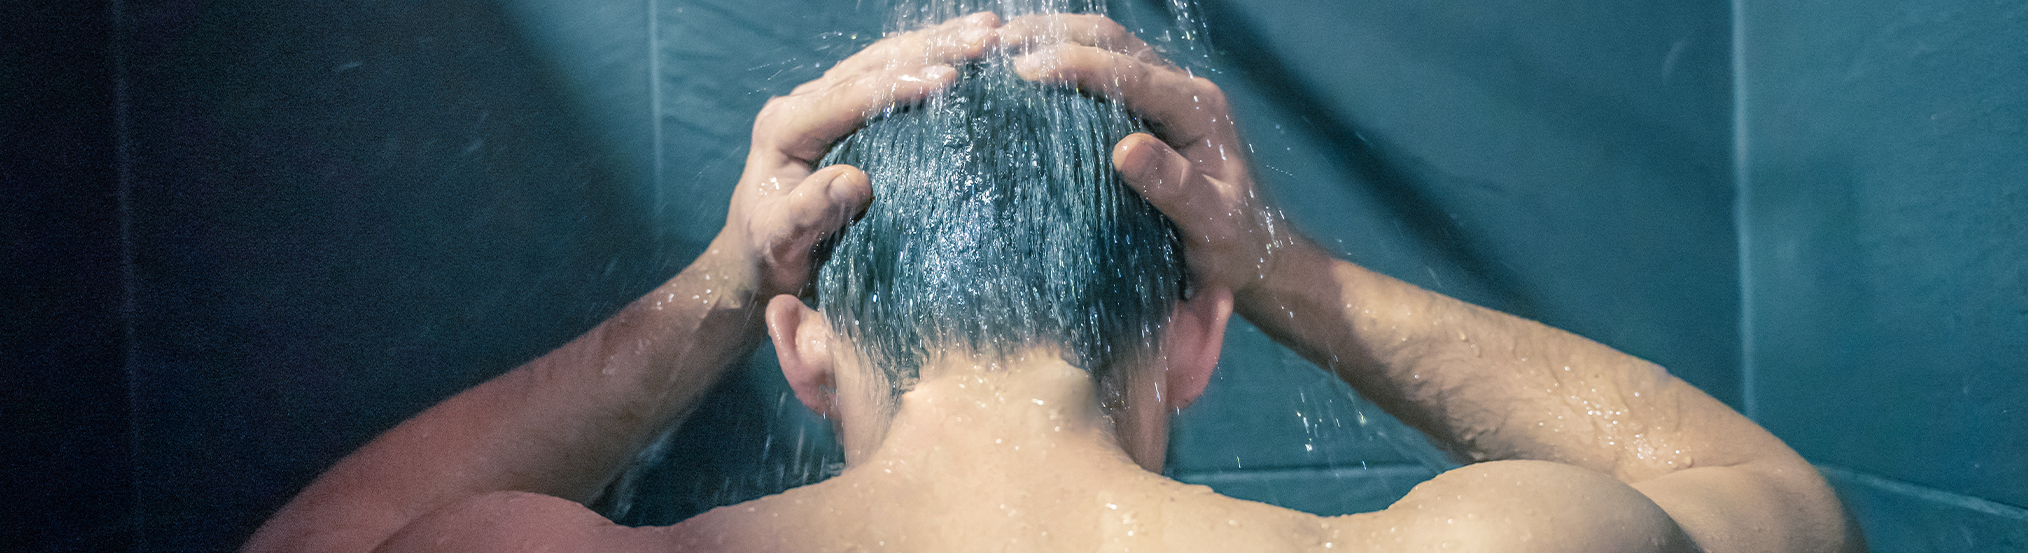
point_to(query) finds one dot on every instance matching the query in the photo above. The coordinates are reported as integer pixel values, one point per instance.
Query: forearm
(1498, 387)
(560, 425)
(1491, 385)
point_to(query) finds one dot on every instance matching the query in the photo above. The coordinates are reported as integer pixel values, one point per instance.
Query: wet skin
(1579, 447)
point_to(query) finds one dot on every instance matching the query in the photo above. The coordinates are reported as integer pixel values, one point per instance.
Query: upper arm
(507, 522)
(1776, 505)
(1518, 506)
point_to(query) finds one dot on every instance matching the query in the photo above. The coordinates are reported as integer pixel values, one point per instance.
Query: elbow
(1821, 522)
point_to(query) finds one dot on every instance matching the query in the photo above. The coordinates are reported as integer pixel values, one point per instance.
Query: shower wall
(64, 458)
(339, 214)
(1884, 170)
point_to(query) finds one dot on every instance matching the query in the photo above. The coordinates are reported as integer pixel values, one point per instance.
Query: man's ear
(1195, 336)
(802, 341)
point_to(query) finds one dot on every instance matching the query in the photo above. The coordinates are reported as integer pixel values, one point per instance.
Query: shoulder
(1195, 518)
(508, 522)
(1517, 506)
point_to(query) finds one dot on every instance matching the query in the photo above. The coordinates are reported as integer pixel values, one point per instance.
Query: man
(976, 415)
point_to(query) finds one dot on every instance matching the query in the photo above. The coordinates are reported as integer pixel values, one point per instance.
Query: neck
(964, 416)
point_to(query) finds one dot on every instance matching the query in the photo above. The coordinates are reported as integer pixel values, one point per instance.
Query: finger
(1170, 183)
(816, 207)
(1082, 29)
(949, 42)
(900, 69)
(802, 126)
(1189, 109)
(825, 202)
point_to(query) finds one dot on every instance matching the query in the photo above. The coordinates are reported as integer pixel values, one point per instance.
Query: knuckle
(834, 73)
(765, 124)
(951, 23)
(774, 107)
(1082, 59)
(1140, 72)
(1110, 31)
(909, 41)
(1208, 92)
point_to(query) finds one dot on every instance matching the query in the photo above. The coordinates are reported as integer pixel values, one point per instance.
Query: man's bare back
(1136, 511)
(1008, 458)
(996, 474)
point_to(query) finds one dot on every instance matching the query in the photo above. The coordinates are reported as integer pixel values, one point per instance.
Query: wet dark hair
(998, 224)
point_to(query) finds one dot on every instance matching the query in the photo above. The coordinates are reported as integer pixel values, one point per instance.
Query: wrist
(1298, 268)
(730, 272)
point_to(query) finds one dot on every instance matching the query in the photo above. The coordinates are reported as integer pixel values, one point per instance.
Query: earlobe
(804, 361)
(1195, 338)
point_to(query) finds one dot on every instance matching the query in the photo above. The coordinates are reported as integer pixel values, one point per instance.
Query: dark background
(244, 237)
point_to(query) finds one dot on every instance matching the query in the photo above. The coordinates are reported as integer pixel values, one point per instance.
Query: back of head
(999, 226)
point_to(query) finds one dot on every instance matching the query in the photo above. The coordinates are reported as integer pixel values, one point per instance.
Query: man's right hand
(1197, 172)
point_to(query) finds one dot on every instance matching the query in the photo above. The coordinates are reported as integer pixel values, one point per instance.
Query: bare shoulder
(1517, 506)
(1499, 506)
(793, 520)
(1546, 506)
(508, 522)
(1195, 518)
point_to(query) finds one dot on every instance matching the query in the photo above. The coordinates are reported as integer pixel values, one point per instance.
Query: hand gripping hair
(999, 226)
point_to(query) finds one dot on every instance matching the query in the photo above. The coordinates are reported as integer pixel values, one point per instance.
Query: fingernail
(1136, 156)
(840, 188)
(1139, 159)
(1143, 161)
